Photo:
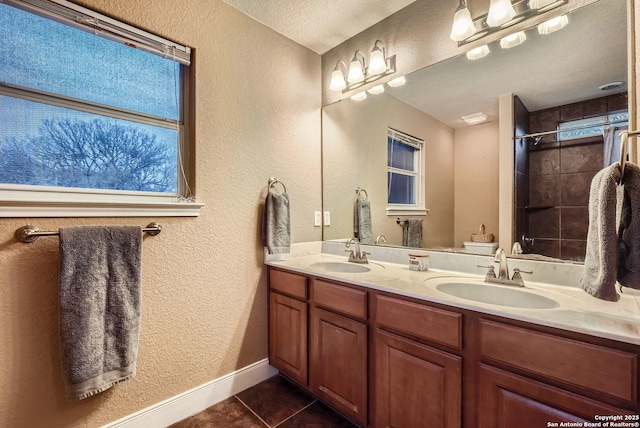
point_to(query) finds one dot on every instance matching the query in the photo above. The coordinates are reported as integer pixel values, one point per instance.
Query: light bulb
(512, 40)
(398, 81)
(378, 89)
(479, 52)
(463, 27)
(359, 96)
(356, 74)
(337, 80)
(554, 24)
(500, 12)
(377, 63)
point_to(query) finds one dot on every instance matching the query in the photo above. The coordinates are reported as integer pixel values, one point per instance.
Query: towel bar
(624, 136)
(28, 233)
(273, 181)
(359, 191)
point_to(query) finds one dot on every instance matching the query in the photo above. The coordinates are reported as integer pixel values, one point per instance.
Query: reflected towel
(362, 221)
(629, 230)
(99, 306)
(412, 233)
(276, 224)
(601, 258)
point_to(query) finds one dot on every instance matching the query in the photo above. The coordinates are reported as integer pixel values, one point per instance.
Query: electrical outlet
(317, 218)
(327, 218)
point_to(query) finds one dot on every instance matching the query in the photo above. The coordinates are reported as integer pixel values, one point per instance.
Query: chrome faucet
(503, 271)
(381, 239)
(356, 255)
(503, 268)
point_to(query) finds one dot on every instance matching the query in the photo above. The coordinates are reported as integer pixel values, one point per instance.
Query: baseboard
(197, 399)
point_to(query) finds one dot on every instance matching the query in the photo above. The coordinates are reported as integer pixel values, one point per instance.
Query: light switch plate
(327, 218)
(317, 218)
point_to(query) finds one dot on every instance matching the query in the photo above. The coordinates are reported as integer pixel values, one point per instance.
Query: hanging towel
(362, 221)
(629, 230)
(601, 258)
(412, 233)
(276, 224)
(99, 306)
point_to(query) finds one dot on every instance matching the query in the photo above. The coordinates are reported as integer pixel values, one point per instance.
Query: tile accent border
(195, 400)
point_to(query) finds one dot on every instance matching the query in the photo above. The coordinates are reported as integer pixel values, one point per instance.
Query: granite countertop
(575, 310)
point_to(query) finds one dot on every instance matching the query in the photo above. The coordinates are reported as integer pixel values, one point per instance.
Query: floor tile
(228, 413)
(275, 399)
(317, 416)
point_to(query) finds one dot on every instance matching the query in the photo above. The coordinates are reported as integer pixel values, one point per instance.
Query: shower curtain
(612, 144)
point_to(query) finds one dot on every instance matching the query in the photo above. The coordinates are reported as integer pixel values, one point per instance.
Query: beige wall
(354, 136)
(476, 180)
(257, 113)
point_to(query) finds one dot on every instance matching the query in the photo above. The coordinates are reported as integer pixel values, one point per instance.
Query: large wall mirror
(553, 80)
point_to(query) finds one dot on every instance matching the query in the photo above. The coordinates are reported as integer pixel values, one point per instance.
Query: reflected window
(404, 171)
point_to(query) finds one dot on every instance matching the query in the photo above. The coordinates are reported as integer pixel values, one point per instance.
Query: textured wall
(355, 154)
(476, 180)
(257, 112)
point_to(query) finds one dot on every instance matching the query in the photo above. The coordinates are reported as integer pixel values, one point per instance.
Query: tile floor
(276, 402)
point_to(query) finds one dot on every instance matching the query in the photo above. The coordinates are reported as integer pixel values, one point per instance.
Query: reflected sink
(342, 267)
(497, 295)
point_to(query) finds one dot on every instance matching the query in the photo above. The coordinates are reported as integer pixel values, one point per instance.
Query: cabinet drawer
(341, 299)
(593, 367)
(288, 283)
(423, 321)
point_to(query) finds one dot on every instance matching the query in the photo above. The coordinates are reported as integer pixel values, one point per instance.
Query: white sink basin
(342, 267)
(496, 295)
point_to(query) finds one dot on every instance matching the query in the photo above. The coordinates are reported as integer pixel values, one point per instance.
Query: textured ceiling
(319, 24)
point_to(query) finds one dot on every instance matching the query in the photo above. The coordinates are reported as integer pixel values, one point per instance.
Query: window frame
(18, 200)
(418, 175)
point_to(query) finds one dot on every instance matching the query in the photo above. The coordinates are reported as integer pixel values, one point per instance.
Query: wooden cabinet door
(416, 385)
(507, 400)
(338, 364)
(288, 336)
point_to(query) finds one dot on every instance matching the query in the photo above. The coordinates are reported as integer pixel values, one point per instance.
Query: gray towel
(601, 258)
(276, 223)
(412, 233)
(99, 306)
(362, 221)
(629, 231)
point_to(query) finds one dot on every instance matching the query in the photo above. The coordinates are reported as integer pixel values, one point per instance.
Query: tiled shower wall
(560, 174)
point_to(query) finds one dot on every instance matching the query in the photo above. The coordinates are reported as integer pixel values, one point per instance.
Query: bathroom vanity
(387, 348)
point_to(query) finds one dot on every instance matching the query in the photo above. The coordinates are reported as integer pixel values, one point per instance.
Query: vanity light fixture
(337, 77)
(463, 26)
(377, 60)
(356, 68)
(504, 14)
(554, 24)
(512, 40)
(398, 81)
(539, 4)
(475, 118)
(500, 12)
(359, 96)
(359, 74)
(378, 89)
(479, 52)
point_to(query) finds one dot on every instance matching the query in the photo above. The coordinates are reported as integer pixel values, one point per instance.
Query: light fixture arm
(384, 51)
(344, 67)
(361, 59)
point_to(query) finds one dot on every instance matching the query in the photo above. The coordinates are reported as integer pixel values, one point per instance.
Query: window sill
(407, 211)
(98, 209)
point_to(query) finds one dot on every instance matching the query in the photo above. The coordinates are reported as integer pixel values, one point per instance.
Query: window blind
(101, 25)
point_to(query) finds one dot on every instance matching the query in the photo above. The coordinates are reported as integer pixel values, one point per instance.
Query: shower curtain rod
(573, 128)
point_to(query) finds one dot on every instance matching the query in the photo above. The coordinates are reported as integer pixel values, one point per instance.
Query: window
(405, 164)
(93, 115)
(593, 126)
